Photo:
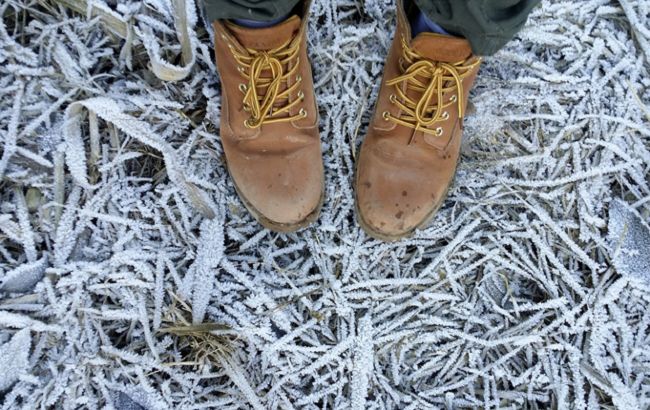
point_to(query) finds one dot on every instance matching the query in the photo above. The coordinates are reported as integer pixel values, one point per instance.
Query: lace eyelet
(298, 78)
(247, 123)
(240, 69)
(445, 115)
(439, 131)
(303, 112)
(453, 98)
(243, 88)
(393, 98)
(385, 115)
(247, 108)
(301, 95)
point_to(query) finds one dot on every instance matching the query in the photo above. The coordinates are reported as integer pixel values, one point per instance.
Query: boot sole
(278, 226)
(394, 238)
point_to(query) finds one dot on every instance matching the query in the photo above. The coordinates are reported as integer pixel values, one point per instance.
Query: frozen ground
(132, 277)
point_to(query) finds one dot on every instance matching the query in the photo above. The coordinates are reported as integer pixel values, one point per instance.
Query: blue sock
(422, 24)
(259, 24)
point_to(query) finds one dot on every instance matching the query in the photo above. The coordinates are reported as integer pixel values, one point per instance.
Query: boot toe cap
(394, 211)
(281, 195)
(393, 200)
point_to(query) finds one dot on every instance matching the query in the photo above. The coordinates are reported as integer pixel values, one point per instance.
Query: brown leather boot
(408, 159)
(269, 121)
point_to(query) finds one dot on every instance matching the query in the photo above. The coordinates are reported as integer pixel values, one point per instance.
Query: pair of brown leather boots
(269, 126)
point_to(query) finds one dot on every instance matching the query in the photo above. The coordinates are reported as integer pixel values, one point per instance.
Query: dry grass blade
(200, 344)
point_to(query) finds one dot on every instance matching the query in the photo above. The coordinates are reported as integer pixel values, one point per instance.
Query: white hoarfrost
(132, 277)
(14, 358)
(629, 234)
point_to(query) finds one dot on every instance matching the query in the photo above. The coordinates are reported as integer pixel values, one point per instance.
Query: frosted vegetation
(132, 277)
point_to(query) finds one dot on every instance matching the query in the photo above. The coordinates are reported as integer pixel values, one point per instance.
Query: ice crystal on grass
(131, 276)
(13, 358)
(629, 235)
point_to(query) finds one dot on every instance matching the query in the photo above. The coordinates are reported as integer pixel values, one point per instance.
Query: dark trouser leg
(259, 10)
(487, 24)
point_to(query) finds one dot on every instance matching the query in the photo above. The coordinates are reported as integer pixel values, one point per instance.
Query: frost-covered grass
(132, 277)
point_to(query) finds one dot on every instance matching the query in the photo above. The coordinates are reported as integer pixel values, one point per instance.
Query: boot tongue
(441, 47)
(266, 38)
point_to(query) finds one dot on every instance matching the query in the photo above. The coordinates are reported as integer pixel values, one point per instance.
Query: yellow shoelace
(431, 79)
(271, 105)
